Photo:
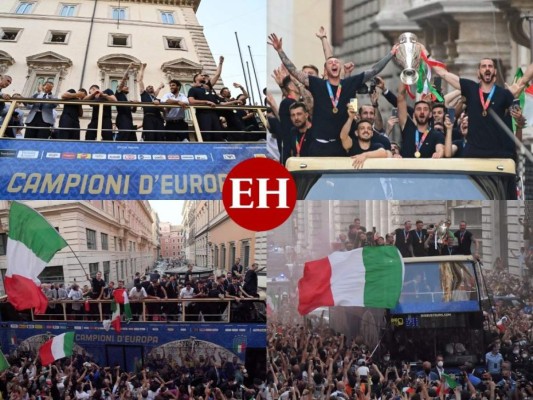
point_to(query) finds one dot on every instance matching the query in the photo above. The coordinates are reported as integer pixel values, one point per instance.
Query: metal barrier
(161, 310)
(198, 134)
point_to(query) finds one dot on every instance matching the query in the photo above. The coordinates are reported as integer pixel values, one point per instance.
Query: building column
(481, 35)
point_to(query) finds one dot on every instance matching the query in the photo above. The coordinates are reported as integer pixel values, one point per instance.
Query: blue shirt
(494, 362)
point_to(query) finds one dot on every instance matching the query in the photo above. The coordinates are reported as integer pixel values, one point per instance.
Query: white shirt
(175, 112)
(363, 370)
(137, 295)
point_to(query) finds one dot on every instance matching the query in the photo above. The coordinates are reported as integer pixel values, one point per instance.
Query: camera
(372, 85)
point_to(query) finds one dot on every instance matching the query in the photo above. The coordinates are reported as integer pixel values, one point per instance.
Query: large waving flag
(366, 277)
(32, 243)
(56, 348)
(3, 362)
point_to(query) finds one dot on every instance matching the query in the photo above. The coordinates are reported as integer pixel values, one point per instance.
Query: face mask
(524, 355)
(440, 364)
(427, 371)
(516, 351)
(386, 358)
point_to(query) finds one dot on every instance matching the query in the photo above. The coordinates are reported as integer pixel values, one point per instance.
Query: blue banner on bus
(48, 170)
(138, 340)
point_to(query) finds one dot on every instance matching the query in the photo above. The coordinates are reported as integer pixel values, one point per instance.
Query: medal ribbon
(334, 100)
(299, 145)
(419, 142)
(419, 235)
(461, 236)
(485, 104)
(406, 235)
(432, 63)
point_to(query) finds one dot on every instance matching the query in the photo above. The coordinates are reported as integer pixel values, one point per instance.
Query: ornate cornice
(49, 60)
(178, 3)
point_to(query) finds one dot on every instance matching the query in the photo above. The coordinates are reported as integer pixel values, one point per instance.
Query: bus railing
(159, 310)
(259, 111)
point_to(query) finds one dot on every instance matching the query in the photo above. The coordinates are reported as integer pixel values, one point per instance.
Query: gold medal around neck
(335, 110)
(417, 154)
(484, 113)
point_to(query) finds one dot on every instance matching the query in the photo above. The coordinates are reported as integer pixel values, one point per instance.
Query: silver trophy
(441, 232)
(408, 57)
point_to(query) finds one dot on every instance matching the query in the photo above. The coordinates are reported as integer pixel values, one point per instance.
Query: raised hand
(279, 74)
(447, 122)
(321, 34)
(348, 68)
(275, 42)
(221, 59)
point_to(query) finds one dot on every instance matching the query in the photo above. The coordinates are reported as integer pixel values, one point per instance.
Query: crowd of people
(169, 124)
(185, 377)
(237, 286)
(319, 114)
(418, 241)
(307, 359)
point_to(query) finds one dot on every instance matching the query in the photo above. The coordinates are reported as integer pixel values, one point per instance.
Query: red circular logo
(259, 194)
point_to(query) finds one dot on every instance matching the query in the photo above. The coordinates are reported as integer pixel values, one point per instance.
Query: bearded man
(485, 137)
(419, 140)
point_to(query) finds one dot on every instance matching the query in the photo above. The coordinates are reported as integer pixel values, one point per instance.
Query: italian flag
(526, 100)
(59, 347)
(3, 362)
(526, 103)
(115, 316)
(32, 243)
(121, 297)
(366, 277)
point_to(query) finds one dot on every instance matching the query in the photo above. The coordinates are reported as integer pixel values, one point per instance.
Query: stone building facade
(83, 42)
(172, 240)
(316, 225)
(114, 237)
(213, 240)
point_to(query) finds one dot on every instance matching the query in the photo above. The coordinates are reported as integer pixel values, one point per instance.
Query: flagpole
(81, 265)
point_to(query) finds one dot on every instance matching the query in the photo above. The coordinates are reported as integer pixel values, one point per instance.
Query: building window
(113, 83)
(167, 17)
(246, 253)
(52, 274)
(105, 244)
(24, 7)
(119, 244)
(106, 265)
(93, 269)
(174, 43)
(57, 37)
(231, 253)
(119, 40)
(91, 239)
(10, 34)
(68, 10)
(3, 243)
(471, 215)
(121, 270)
(223, 257)
(115, 243)
(118, 13)
(39, 81)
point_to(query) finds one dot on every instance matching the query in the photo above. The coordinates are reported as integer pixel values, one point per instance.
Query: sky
(221, 19)
(168, 210)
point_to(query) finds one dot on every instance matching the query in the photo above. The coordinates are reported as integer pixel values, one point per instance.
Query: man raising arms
(485, 137)
(330, 98)
(418, 139)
